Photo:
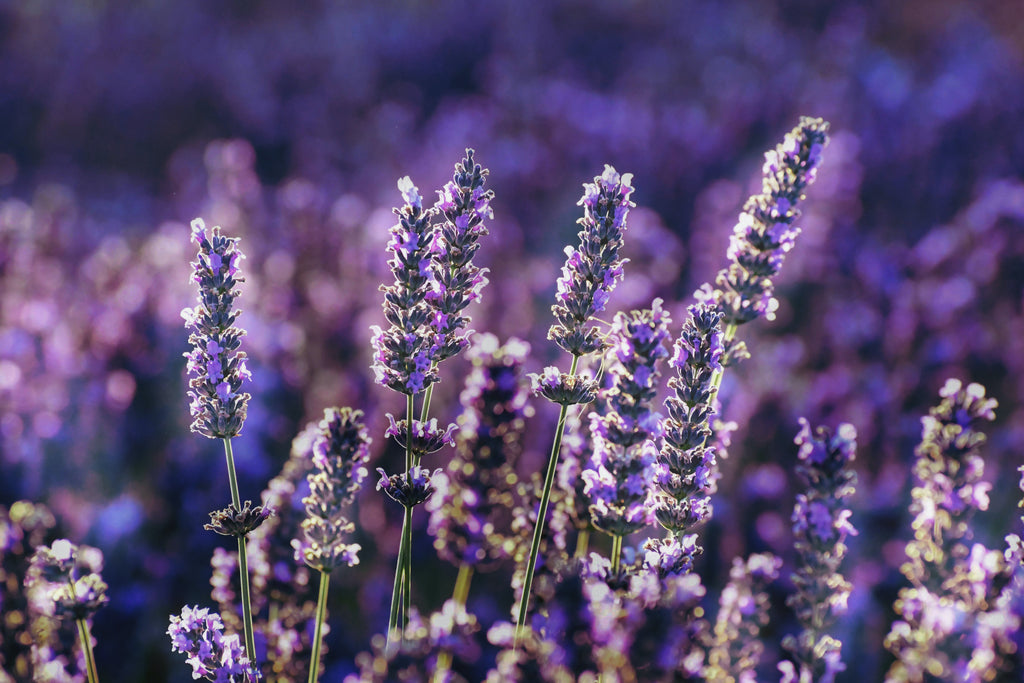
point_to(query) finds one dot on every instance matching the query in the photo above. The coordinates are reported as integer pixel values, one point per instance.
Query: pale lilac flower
(199, 635)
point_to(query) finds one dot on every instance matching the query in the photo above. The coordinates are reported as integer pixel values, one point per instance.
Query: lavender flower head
(218, 404)
(686, 465)
(820, 527)
(340, 452)
(563, 388)
(953, 622)
(408, 488)
(591, 272)
(69, 576)
(427, 437)
(404, 353)
(765, 231)
(199, 635)
(455, 281)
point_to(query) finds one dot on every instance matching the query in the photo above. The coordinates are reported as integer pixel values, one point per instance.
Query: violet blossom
(199, 635)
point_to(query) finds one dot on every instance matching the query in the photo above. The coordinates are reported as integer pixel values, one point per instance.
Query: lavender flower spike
(765, 231)
(455, 281)
(953, 624)
(218, 368)
(820, 527)
(199, 635)
(591, 272)
(340, 452)
(404, 354)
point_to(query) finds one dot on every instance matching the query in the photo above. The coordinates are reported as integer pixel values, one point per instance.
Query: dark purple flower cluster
(563, 388)
(686, 464)
(952, 624)
(455, 281)
(218, 403)
(471, 512)
(765, 232)
(408, 488)
(199, 635)
(734, 647)
(404, 354)
(427, 437)
(591, 272)
(340, 452)
(821, 523)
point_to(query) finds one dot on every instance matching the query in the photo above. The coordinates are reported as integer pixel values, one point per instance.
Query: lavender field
(752, 271)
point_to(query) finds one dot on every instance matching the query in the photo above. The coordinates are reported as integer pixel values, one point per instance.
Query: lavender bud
(408, 489)
(427, 437)
(238, 523)
(562, 388)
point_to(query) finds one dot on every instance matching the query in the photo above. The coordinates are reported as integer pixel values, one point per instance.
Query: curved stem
(321, 615)
(243, 568)
(538, 529)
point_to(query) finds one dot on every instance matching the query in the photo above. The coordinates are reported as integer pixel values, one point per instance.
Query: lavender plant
(68, 576)
(218, 404)
(339, 452)
(820, 525)
(951, 621)
(588, 278)
(199, 635)
(734, 649)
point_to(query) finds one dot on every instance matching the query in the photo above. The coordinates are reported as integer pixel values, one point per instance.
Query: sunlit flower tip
(82, 599)
(427, 437)
(408, 489)
(238, 523)
(410, 193)
(198, 231)
(562, 388)
(55, 563)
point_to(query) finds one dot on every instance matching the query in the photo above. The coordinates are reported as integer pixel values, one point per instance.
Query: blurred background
(288, 125)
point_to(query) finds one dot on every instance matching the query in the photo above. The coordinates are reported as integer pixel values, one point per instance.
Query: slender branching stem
(538, 529)
(321, 616)
(400, 598)
(243, 568)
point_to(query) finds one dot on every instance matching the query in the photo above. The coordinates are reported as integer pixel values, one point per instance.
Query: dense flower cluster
(71, 575)
(199, 635)
(686, 465)
(408, 489)
(470, 514)
(455, 281)
(765, 231)
(734, 647)
(591, 271)
(340, 452)
(218, 404)
(951, 621)
(563, 388)
(820, 527)
(404, 354)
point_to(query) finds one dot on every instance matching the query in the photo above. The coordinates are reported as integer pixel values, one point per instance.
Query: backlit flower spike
(455, 281)
(952, 621)
(404, 353)
(592, 270)
(765, 232)
(216, 365)
(821, 524)
(199, 635)
(340, 452)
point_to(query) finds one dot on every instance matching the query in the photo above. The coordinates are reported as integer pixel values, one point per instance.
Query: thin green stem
(90, 660)
(243, 568)
(321, 616)
(396, 590)
(400, 591)
(538, 529)
(407, 571)
(582, 543)
(461, 592)
(616, 552)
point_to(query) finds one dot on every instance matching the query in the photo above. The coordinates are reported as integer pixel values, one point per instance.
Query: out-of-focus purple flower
(199, 635)
(408, 488)
(735, 649)
(820, 527)
(455, 281)
(953, 621)
(591, 271)
(765, 231)
(69, 576)
(404, 353)
(471, 510)
(340, 452)
(218, 404)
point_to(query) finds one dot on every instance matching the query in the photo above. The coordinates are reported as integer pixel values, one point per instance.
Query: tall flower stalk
(821, 523)
(340, 452)
(218, 368)
(588, 277)
(76, 591)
